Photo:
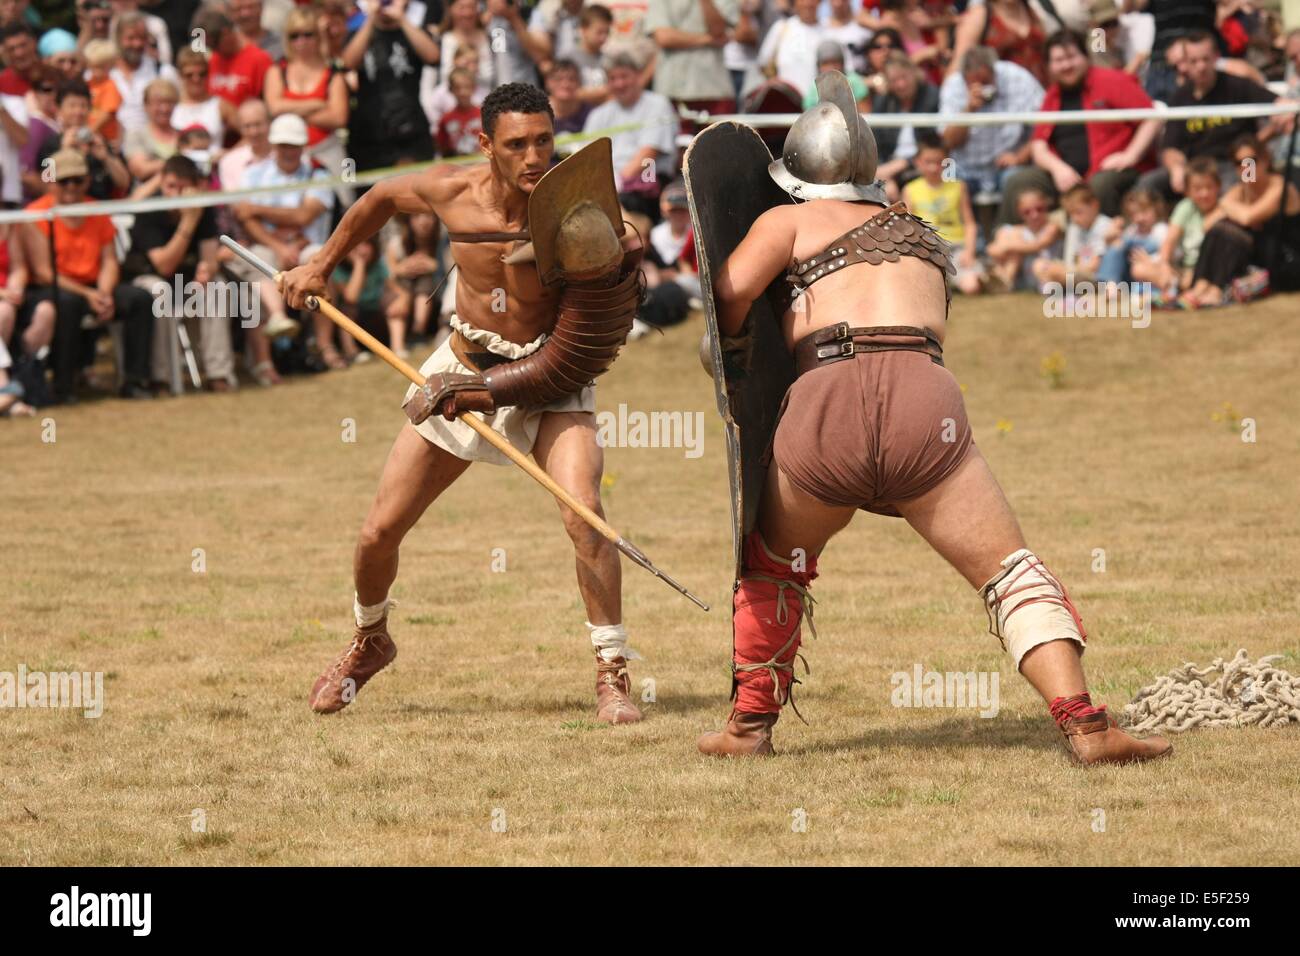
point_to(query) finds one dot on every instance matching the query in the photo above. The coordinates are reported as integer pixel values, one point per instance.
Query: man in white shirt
(135, 70)
(643, 157)
(13, 137)
(286, 227)
(791, 46)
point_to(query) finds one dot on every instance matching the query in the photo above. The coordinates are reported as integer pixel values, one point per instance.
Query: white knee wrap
(1028, 606)
(610, 642)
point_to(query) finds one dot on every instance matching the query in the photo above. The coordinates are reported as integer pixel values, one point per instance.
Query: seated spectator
(879, 49)
(459, 128)
(1010, 28)
(690, 37)
(14, 132)
(26, 321)
(197, 104)
(441, 100)
(236, 65)
(1171, 269)
(109, 177)
(1144, 229)
(663, 255)
(516, 51)
(367, 294)
(195, 144)
(333, 25)
(253, 120)
(1195, 138)
(136, 69)
(554, 25)
(1282, 143)
(562, 85)
(1086, 238)
(588, 54)
(907, 92)
(1257, 225)
(286, 228)
(946, 205)
(42, 127)
(461, 26)
(304, 83)
(643, 157)
(158, 42)
(105, 98)
(89, 286)
(388, 125)
(94, 21)
(924, 46)
(180, 245)
(18, 42)
(1106, 155)
(1016, 248)
(789, 51)
(1127, 37)
(412, 260)
(830, 56)
(988, 156)
(247, 15)
(843, 27)
(147, 147)
(58, 48)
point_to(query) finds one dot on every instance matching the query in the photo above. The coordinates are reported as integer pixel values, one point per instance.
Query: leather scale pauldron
(885, 237)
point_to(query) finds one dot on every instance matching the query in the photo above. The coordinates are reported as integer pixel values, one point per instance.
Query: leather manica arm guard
(595, 314)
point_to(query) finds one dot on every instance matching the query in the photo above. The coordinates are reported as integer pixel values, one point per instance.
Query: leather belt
(835, 343)
(473, 356)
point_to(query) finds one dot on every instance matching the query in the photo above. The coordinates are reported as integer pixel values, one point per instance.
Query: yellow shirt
(938, 205)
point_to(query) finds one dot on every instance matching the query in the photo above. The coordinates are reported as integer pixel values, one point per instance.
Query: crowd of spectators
(139, 99)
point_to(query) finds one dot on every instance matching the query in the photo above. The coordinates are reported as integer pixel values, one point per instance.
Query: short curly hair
(513, 98)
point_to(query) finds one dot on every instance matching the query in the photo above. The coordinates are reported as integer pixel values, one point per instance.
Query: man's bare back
(907, 292)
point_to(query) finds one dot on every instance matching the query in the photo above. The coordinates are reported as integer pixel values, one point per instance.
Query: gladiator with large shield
(548, 283)
(826, 320)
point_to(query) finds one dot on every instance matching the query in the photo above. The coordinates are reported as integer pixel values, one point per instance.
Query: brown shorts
(873, 430)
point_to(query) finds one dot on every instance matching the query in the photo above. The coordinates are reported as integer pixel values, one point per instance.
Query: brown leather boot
(613, 687)
(370, 652)
(1097, 739)
(746, 735)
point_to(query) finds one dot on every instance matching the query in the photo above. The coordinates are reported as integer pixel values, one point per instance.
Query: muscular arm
(759, 259)
(425, 191)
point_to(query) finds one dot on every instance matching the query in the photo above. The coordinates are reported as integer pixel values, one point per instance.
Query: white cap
(288, 129)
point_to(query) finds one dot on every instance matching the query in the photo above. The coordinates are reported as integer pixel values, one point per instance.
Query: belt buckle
(841, 333)
(846, 348)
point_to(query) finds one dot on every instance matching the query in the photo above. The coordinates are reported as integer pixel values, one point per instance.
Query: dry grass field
(486, 716)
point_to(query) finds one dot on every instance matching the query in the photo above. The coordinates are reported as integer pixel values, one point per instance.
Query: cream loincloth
(517, 425)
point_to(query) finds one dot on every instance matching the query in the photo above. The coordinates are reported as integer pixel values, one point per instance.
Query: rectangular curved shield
(728, 187)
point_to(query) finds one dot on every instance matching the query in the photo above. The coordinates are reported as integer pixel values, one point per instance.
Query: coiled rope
(1235, 693)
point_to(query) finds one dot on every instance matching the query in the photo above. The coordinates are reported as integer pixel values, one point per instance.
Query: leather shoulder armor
(885, 237)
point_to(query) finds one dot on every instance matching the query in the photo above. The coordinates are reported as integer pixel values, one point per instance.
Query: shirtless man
(504, 312)
(880, 426)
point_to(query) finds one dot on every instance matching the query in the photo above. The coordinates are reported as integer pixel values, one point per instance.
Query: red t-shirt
(239, 77)
(458, 131)
(13, 83)
(1103, 89)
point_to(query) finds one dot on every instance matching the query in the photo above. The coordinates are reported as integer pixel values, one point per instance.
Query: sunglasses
(195, 74)
(302, 36)
(45, 89)
(74, 180)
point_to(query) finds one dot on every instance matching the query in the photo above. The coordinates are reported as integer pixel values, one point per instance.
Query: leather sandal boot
(613, 692)
(370, 652)
(1097, 739)
(746, 735)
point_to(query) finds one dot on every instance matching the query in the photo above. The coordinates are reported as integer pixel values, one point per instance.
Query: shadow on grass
(952, 734)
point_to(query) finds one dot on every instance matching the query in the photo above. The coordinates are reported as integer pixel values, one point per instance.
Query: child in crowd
(1170, 269)
(412, 260)
(1015, 249)
(672, 284)
(105, 99)
(442, 100)
(459, 127)
(368, 294)
(1144, 212)
(945, 204)
(594, 24)
(1085, 239)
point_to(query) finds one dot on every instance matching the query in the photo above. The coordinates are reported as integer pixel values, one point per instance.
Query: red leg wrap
(768, 608)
